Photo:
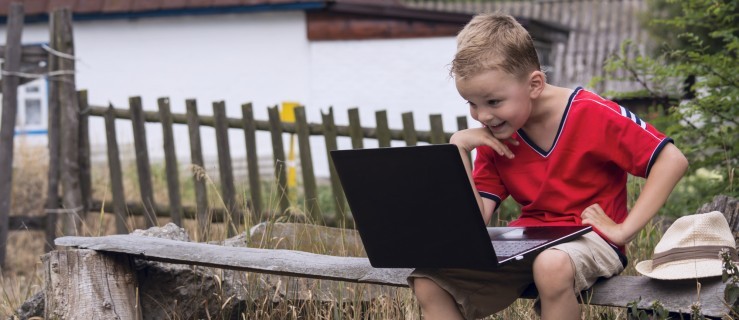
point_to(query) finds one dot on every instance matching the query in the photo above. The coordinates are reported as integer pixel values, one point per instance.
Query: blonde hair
(494, 41)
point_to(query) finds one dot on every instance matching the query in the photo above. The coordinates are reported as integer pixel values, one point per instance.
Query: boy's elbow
(677, 160)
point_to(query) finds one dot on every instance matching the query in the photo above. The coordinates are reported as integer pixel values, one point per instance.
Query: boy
(564, 155)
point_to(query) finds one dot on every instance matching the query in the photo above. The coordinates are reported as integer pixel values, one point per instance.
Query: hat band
(688, 253)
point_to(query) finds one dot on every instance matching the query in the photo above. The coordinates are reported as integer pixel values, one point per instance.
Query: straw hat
(690, 248)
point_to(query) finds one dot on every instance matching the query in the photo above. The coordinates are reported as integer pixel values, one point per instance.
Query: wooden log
(355, 129)
(310, 186)
(278, 152)
(225, 168)
(329, 128)
(116, 174)
(170, 160)
(409, 129)
(54, 142)
(383, 129)
(12, 63)
(250, 139)
(196, 158)
(437, 129)
(675, 296)
(70, 171)
(84, 152)
(143, 165)
(84, 284)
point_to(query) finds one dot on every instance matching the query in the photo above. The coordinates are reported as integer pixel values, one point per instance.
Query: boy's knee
(553, 271)
(426, 290)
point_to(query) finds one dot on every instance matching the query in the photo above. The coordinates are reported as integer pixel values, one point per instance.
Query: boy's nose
(485, 117)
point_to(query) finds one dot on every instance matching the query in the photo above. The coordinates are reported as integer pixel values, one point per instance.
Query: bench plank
(675, 296)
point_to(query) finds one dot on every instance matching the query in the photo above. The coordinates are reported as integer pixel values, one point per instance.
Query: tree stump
(729, 207)
(83, 284)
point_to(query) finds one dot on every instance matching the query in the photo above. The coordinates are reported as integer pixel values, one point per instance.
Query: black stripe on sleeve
(491, 197)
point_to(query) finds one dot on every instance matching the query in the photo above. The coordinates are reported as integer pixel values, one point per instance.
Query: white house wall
(263, 58)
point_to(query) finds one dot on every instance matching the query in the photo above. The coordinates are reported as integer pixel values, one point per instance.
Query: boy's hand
(469, 139)
(596, 217)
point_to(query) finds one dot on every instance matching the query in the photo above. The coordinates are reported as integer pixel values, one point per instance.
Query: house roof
(598, 27)
(327, 19)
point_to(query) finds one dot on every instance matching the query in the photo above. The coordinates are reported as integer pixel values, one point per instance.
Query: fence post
(252, 162)
(142, 161)
(226, 169)
(306, 164)
(278, 150)
(84, 151)
(329, 133)
(116, 173)
(70, 171)
(170, 159)
(54, 141)
(7, 127)
(196, 158)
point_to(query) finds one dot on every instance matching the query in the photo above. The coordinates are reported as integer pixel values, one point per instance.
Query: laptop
(414, 207)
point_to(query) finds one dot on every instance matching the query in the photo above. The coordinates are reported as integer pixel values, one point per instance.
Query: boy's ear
(537, 81)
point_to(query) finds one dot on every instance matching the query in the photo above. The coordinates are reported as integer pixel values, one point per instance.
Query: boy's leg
(554, 276)
(436, 303)
(576, 265)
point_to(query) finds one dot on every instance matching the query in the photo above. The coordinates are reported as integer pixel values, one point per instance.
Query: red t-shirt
(597, 144)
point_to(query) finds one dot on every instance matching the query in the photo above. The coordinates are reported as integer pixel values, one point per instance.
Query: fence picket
(437, 129)
(278, 152)
(198, 170)
(329, 132)
(306, 164)
(54, 140)
(250, 138)
(142, 161)
(116, 173)
(228, 190)
(355, 129)
(409, 129)
(170, 162)
(383, 129)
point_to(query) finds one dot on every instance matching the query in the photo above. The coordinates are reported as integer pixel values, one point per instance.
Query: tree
(698, 55)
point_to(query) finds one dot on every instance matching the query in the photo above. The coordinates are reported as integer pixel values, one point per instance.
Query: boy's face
(498, 100)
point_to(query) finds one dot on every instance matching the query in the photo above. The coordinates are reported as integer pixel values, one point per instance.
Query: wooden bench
(108, 284)
(94, 277)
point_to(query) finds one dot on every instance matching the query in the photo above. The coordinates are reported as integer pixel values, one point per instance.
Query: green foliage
(730, 276)
(657, 311)
(704, 122)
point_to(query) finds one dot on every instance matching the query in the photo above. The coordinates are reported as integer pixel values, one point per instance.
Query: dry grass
(21, 277)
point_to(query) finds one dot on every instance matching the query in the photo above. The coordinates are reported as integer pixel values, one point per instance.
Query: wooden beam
(9, 110)
(675, 296)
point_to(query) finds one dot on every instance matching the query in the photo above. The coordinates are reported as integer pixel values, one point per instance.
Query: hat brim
(685, 269)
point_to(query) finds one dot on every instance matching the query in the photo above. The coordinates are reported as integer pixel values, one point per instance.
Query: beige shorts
(482, 293)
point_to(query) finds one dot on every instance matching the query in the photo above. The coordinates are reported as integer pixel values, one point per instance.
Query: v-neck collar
(533, 145)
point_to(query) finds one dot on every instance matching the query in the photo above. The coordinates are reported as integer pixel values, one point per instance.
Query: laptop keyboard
(511, 248)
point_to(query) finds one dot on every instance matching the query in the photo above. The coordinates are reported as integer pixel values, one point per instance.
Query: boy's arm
(666, 171)
(466, 141)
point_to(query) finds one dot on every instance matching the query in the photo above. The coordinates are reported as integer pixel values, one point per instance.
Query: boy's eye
(471, 104)
(493, 102)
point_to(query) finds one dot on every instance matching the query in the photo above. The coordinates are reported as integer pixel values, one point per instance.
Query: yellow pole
(287, 114)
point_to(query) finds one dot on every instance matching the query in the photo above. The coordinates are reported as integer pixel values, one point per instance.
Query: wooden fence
(233, 212)
(69, 150)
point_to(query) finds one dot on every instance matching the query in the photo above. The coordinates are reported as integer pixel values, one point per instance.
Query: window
(33, 112)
